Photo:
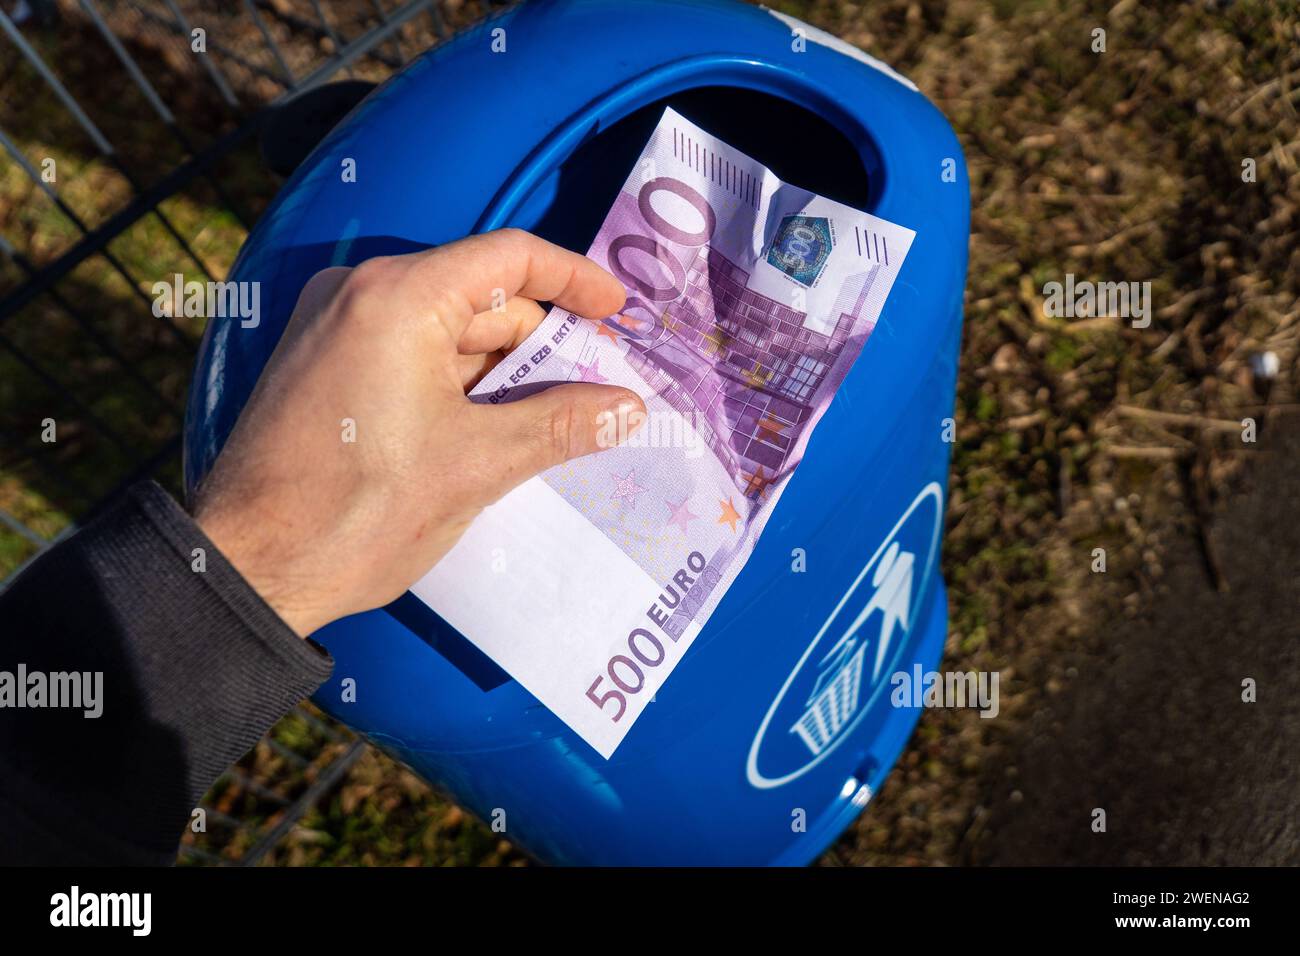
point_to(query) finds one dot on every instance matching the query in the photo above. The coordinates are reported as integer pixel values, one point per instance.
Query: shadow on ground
(1154, 730)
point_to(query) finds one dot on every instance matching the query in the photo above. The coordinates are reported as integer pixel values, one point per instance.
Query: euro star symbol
(756, 377)
(617, 327)
(770, 427)
(591, 373)
(681, 514)
(626, 489)
(729, 514)
(714, 342)
(757, 483)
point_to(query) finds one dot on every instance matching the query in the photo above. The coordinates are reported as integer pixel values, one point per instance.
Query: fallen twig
(1178, 418)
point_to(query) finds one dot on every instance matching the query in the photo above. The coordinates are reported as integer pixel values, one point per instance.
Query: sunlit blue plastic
(467, 139)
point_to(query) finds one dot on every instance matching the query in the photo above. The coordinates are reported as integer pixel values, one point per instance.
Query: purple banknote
(748, 301)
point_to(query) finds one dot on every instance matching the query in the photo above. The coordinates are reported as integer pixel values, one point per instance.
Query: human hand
(323, 527)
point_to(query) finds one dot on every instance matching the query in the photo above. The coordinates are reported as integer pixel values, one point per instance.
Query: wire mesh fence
(128, 154)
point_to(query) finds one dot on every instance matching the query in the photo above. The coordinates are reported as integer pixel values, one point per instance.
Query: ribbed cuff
(196, 668)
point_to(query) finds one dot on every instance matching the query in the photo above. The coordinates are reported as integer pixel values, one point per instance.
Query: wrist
(252, 550)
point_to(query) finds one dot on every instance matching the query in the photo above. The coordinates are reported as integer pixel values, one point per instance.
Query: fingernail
(616, 423)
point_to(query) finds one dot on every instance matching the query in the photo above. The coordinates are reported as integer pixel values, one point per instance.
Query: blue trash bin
(777, 726)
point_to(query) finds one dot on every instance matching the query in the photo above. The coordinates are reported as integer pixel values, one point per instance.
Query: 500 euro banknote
(748, 301)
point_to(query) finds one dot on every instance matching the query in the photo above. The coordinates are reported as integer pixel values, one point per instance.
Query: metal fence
(128, 153)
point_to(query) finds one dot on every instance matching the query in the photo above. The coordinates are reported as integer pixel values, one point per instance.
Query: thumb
(530, 435)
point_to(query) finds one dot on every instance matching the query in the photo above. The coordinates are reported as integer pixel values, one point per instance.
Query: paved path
(1154, 730)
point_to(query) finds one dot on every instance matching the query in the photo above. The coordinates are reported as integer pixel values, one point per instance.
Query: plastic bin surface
(761, 748)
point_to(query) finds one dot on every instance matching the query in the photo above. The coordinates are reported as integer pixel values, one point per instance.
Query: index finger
(472, 275)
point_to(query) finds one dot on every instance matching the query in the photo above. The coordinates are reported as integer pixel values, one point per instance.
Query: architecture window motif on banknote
(749, 387)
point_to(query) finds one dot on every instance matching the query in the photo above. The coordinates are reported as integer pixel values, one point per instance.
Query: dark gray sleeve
(195, 668)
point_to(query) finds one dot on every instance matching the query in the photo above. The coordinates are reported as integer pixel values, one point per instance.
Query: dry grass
(1122, 166)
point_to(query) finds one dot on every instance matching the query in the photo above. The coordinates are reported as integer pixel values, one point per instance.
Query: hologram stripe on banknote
(748, 301)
